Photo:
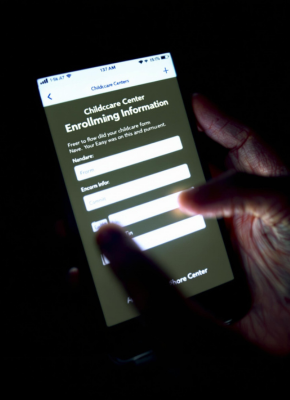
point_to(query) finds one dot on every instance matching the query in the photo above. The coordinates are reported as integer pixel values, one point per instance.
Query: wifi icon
(140, 61)
(68, 75)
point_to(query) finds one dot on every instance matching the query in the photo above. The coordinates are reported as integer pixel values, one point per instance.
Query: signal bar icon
(44, 81)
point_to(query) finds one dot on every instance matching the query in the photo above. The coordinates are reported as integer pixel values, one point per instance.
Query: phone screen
(126, 150)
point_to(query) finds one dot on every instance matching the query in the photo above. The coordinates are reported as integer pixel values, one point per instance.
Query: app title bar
(108, 78)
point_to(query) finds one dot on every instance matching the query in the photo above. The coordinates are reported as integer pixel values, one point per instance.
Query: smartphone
(126, 148)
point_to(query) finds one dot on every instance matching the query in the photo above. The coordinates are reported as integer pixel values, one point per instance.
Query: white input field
(168, 233)
(138, 186)
(127, 158)
(146, 210)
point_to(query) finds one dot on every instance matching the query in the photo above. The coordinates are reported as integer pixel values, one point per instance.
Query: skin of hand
(254, 198)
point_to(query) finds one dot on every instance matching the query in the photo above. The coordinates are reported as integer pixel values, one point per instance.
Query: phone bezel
(126, 341)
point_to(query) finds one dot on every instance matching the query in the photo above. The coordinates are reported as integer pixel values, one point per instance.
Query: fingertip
(112, 241)
(183, 197)
(200, 105)
(193, 200)
(115, 245)
(198, 98)
(186, 201)
(108, 233)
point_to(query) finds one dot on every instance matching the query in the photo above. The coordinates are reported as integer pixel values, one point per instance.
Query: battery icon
(163, 57)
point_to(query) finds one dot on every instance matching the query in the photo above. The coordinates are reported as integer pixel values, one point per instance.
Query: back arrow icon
(49, 96)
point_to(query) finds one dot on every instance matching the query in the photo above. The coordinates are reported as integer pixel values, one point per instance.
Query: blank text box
(146, 210)
(138, 186)
(127, 158)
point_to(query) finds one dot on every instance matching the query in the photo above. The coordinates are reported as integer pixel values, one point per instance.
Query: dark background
(236, 52)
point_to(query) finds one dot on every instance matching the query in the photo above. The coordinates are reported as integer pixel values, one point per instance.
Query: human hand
(254, 197)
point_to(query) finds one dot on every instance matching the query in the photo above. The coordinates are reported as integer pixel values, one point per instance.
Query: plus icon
(165, 70)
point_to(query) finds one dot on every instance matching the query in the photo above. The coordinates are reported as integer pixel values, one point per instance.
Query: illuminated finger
(236, 193)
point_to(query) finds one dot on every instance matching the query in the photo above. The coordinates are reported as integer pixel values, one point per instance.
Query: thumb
(236, 193)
